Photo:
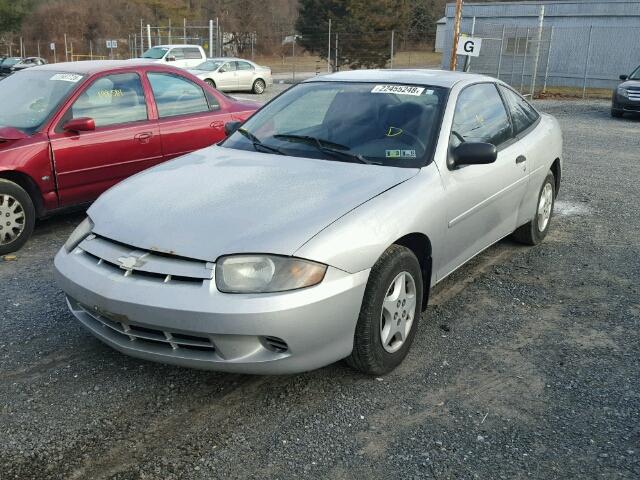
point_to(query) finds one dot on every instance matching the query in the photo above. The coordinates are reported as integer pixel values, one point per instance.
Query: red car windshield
(29, 98)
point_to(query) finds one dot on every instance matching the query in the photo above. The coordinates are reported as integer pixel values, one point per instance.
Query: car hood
(630, 83)
(219, 201)
(195, 72)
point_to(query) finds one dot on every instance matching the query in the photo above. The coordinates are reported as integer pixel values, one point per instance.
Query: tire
(259, 86)
(369, 354)
(210, 82)
(533, 232)
(17, 217)
(616, 113)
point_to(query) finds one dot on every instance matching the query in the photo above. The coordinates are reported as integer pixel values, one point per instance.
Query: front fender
(355, 241)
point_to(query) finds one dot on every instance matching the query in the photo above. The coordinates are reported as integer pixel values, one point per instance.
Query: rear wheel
(533, 233)
(210, 82)
(17, 217)
(259, 86)
(390, 312)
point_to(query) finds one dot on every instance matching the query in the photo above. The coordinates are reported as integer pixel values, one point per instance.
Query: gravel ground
(526, 365)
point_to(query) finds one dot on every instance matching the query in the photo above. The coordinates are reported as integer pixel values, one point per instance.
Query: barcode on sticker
(66, 77)
(398, 89)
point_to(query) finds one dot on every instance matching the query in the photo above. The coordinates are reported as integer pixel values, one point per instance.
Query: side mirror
(231, 127)
(171, 58)
(81, 124)
(624, 77)
(473, 153)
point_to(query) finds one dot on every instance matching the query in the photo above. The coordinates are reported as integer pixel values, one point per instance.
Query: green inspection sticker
(400, 153)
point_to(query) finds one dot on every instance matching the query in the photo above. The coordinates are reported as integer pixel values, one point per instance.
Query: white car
(183, 56)
(233, 74)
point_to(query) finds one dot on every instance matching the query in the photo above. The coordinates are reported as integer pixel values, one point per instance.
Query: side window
(111, 100)
(192, 53)
(244, 66)
(480, 116)
(229, 67)
(523, 115)
(176, 95)
(178, 53)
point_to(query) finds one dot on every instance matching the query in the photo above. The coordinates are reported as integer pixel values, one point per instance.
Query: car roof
(436, 78)
(176, 45)
(89, 67)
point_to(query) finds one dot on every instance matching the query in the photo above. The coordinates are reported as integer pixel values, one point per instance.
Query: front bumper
(192, 324)
(625, 104)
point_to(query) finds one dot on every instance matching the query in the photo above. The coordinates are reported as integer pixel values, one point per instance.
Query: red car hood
(10, 133)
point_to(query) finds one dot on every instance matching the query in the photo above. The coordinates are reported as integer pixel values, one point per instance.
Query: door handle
(521, 159)
(143, 137)
(217, 124)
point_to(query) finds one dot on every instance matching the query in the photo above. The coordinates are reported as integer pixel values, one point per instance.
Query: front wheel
(533, 233)
(17, 217)
(389, 314)
(259, 86)
(210, 82)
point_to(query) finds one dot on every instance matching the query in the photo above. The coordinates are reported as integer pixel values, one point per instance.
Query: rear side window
(176, 95)
(523, 115)
(480, 116)
(111, 100)
(178, 53)
(244, 66)
(192, 53)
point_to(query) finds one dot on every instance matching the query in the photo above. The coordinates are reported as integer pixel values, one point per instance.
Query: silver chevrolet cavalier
(316, 230)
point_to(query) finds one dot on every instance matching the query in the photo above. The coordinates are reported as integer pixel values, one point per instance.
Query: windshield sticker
(400, 153)
(394, 132)
(111, 93)
(398, 89)
(66, 77)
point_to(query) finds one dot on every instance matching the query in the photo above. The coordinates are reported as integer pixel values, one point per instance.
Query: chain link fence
(582, 61)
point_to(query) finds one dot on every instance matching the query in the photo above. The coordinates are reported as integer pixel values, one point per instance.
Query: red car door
(126, 138)
(189, 118)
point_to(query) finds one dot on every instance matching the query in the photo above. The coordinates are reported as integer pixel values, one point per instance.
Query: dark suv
(626, 97)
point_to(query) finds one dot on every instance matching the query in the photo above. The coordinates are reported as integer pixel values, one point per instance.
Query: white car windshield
(376, 123)
(30, 97)
(209, 65)
(155, 53)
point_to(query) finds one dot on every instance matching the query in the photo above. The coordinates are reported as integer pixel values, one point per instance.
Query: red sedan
(69, 131)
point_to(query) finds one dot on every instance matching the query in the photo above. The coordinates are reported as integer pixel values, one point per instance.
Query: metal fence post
(149, 35)
(392, 40)
(184, 31)
(66, 51)
(329, 50)
(211, 39)
(467, 63)
(501, 49)
(546, 70)
(537, 57)
(170, 31)
(586, 64)
(141, 38)
(39, 48)
(524, 61)
(337, 66)
(516, 44)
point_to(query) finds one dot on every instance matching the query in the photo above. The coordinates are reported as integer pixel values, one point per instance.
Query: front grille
(131, 261)
(634, 94)
(169, 340)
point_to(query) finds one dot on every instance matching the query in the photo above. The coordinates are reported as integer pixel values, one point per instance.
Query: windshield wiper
(257, 143)
(325, 146)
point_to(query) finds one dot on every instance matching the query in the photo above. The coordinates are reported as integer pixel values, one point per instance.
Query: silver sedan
(234, 74)
(316, 230)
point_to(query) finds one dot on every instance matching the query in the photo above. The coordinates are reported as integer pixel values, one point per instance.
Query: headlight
(266, 273)
(623, 92)
(81, 232)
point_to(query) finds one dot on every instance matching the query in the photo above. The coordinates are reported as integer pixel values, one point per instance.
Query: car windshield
(209, 65)
(155, 53)
(10, 61)
(28, 98)
(635, 75)
(383, 124)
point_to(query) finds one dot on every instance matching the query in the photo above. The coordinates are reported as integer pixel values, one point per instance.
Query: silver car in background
(316, 230)
(234, 74)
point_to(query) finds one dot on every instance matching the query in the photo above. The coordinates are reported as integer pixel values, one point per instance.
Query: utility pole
(453, 63)
(329, 50)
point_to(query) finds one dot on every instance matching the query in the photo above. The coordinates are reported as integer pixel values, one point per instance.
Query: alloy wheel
(545, 206)
(398, 310)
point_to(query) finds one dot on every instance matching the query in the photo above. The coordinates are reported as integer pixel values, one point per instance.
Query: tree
(363, 29)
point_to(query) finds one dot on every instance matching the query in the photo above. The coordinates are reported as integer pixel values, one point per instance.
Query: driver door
(482, 200)
(125, 141)
(227, 77)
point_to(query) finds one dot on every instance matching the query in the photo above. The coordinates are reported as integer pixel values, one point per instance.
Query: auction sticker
(400, 153)
(66, 77)
(398, 89)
